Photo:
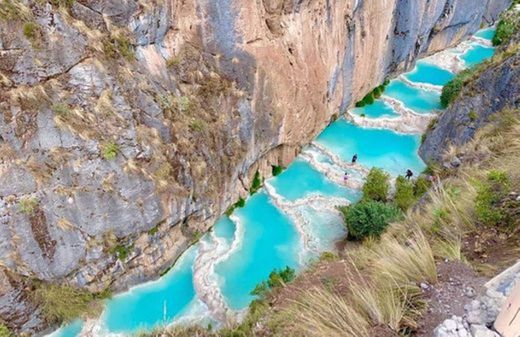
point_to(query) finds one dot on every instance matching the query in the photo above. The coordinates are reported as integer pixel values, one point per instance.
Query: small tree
(377, 185)
(369, 218)
(404, 193)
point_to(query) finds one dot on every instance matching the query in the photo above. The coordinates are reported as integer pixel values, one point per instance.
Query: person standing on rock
(354, 159)
(409, 174)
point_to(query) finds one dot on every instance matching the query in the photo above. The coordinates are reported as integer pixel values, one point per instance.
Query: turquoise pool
(382, 148)
(155, 303)
(416, 99)
(486, 34)
(425, 72)
(376, 110)
(270, 241)
(300, 180)
(477, 54)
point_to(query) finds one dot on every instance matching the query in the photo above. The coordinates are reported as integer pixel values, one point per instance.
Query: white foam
(420, 85)
(206, 283)
(334, 158)
(311, 244)
(482, 41)
(450, 59)
(333, 172)
(408, 122)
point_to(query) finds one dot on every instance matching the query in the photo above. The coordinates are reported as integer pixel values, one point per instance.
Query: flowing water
(292, 219)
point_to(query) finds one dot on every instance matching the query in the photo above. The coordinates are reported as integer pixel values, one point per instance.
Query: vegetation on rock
(369, 218)
(377, 185)
(277, 170)
(27, 205)
(63, 303)
(4, 331)
(508, 25)
(374, 94)
(256, 184)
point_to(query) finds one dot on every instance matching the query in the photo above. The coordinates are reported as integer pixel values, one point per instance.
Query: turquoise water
(153, 303)
(386, 149)
(477, 54)
(71, 330)
(487, 33)
(268, 236)
(302, 180)
(376, 110)
(429, 73)
(419, 100)
(270, 241)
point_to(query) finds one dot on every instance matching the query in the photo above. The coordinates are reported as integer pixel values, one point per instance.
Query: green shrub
(4, 331)
(63, 303)
(452, 89)
(277, 278)
(489, 194)
(369, 218)
(256, 184)
(360, 104)
(377, 92)
(472, 115)
(154, 230)
(109, 150)
(239, 204)
(27, 205)
(377, 185)
(404, 193)
(369, 99)
(505, 30)
(121, 251)
(421, 186)
(61, 109)
(119, 45)
(198, 125)
(277, 170)
(31, 30)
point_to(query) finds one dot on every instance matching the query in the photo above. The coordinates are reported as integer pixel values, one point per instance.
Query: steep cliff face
(495, 89)
(131, 125)
(488, 89)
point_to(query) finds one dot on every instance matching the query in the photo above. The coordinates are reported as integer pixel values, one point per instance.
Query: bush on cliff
(490, 193)
(369, 218)
(63, 303)
(377, 185)
(256, 184)
(4, 331)
(404, 193)
(452, 89)
(507, 26)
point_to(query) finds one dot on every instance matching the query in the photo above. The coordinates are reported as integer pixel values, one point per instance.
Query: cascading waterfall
(294, 217)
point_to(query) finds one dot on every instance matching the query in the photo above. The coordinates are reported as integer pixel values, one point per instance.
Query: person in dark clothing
(409, 174)
(354, 159)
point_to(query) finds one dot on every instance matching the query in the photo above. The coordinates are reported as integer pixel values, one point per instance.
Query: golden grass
(322, 313)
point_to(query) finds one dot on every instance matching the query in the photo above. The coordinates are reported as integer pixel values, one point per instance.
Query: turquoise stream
(291, 221)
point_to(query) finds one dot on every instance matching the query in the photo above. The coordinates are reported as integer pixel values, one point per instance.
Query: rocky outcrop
(490, 88)
(496, 88)
(130, 126)
(482, 312)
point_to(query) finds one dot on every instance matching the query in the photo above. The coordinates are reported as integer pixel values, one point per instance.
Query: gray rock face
(136, 124)
(496, 88)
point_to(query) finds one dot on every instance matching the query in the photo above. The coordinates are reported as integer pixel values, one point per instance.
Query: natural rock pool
(292, 219)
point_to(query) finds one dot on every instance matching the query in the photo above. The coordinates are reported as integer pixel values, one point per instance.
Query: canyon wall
(128, 127)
